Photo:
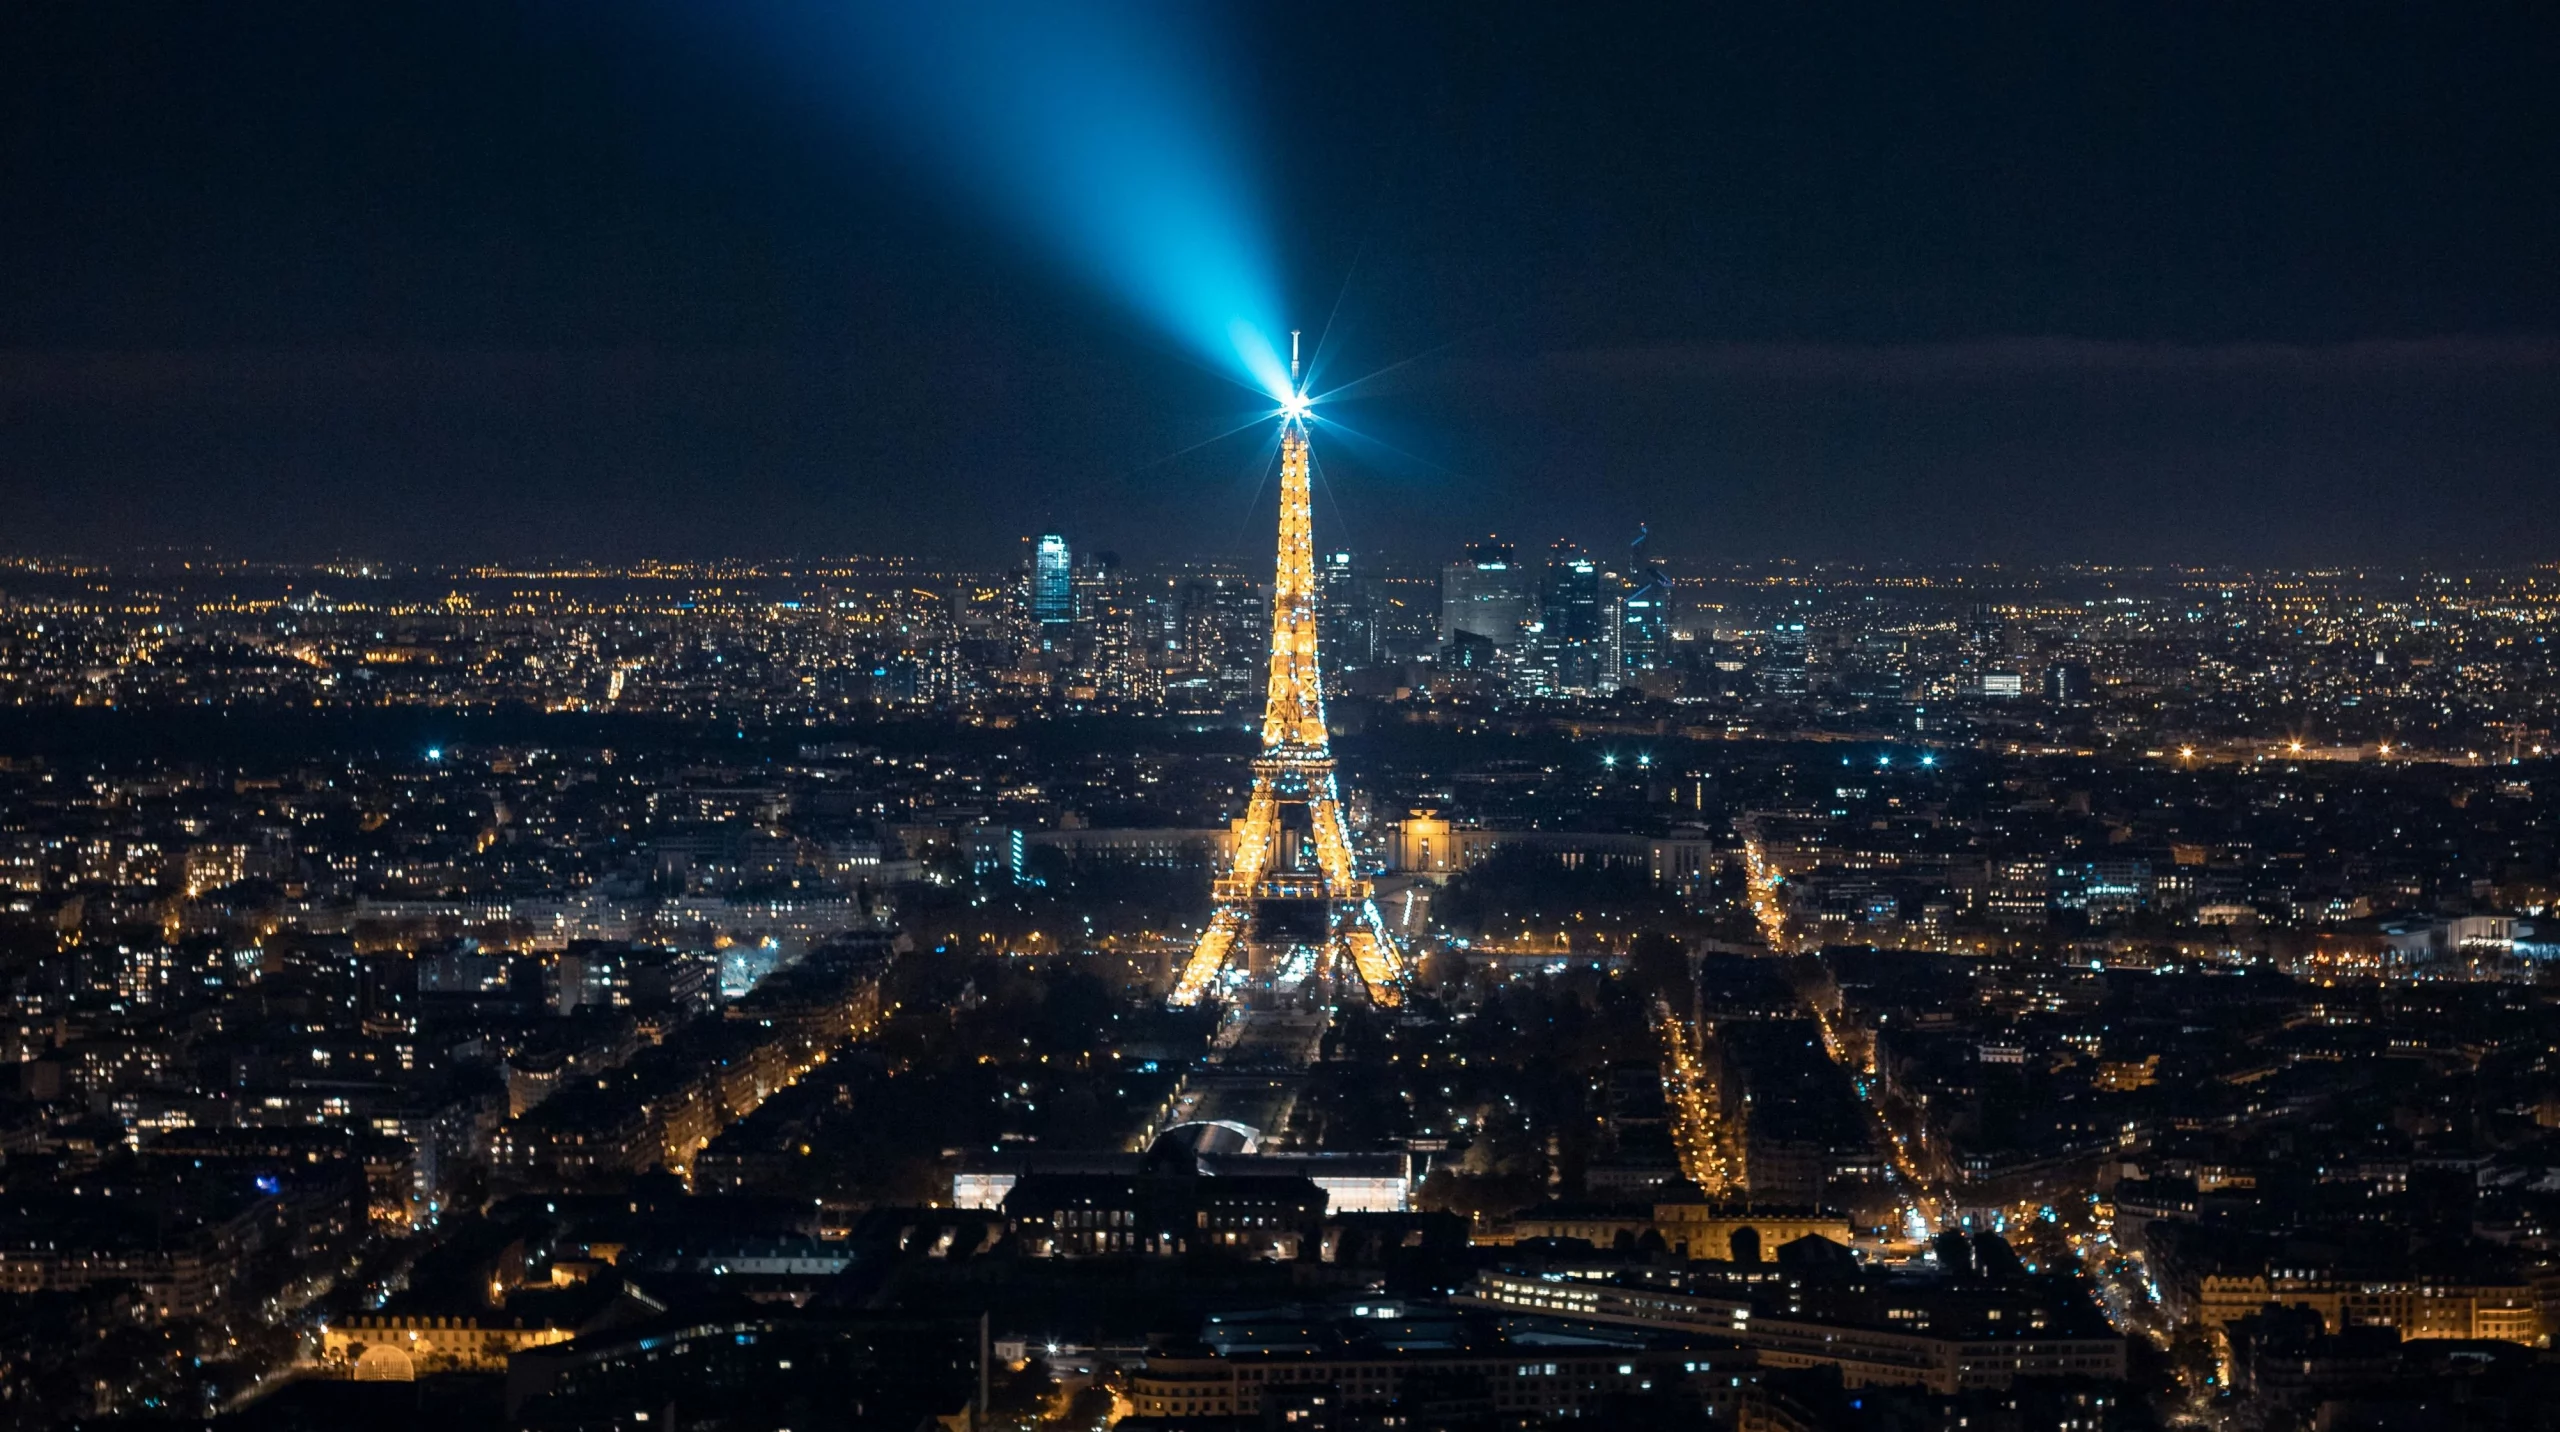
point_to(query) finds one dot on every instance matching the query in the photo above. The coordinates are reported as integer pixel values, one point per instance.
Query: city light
(1309, 1039)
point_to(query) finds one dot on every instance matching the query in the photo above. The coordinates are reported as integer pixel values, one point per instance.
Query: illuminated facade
(390, 1347)
(1053, 591)
(2472, 1308)
(1263, 898)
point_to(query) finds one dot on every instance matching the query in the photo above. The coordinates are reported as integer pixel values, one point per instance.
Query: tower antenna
(1293, 357)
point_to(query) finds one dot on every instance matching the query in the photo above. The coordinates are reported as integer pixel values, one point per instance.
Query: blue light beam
(1098, 132)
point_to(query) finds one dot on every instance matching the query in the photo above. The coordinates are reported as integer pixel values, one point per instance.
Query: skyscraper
(1485, 594)
(1571, 621)
(1219, 643)
(1569, 594)
(1053, 581)
(1640, 626)
(1785, 675)
(1349, 629)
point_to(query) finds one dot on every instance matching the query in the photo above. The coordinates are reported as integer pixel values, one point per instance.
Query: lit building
(1640, 617)
(1878, 1330)
(2500, 1309)
(1349, 630)
(1350, 1182)
(1425, 842)
(1321, 1367)
(1785, 676)
(1571, 619)
(396, 1347)
(1484, 594)
(1053, 587)
(1217, 660)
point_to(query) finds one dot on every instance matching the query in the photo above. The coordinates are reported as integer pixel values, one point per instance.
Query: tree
(1659, 965)
(1021, 1398)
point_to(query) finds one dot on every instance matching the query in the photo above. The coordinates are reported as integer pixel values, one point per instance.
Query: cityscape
(1801, 972)
(1853, 732)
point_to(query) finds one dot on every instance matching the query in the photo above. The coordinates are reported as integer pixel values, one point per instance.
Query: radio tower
(1329, 907)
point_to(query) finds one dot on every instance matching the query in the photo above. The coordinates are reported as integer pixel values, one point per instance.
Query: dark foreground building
(846, 1373)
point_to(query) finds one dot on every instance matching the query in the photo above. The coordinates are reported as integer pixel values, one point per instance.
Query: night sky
(2157, 282)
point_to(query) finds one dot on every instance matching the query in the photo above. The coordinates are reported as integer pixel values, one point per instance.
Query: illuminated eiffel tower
(1326, 911)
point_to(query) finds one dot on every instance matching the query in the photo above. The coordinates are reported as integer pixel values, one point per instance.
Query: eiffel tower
(1327, 910)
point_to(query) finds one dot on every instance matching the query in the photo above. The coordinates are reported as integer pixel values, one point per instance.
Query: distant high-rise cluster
(1563, 626)
(1562, 623)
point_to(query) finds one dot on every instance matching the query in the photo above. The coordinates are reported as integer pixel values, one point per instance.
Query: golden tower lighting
(1295, 769)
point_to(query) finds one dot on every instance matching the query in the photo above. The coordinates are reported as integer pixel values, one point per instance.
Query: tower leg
(1333, 838)
(1226, 926)
(1373, 954)
(1258, 840)
(1371, 948)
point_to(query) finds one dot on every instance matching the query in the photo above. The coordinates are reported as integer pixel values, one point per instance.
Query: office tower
(1095, 584)
(1218, 649)
(1327, 909)
(1571, 618)
(1053, 592)
(1784, 674)
(1643, 631)
(1115, 639)
(1569, 594)
(1485, 594)
(1640, 619)
(1349, 628)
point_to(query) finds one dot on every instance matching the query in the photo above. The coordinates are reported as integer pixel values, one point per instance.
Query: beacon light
(1294, 400)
